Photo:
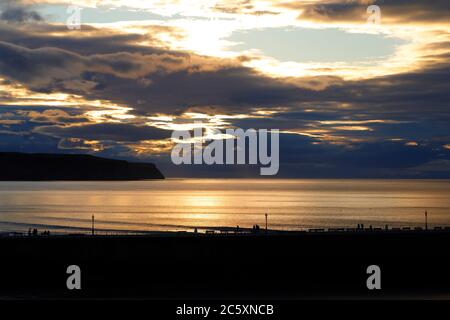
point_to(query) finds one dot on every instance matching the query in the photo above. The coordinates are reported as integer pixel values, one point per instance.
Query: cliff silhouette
(41, 167)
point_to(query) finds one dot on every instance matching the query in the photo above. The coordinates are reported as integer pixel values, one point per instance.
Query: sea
(203, 204)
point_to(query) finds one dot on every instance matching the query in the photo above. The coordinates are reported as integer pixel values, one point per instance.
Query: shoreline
(227, 231)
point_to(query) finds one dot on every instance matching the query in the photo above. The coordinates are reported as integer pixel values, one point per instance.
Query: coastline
(221, 230)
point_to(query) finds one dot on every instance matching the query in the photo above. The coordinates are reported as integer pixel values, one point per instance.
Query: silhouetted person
(195, 230)
(35, 232)
(29, 232)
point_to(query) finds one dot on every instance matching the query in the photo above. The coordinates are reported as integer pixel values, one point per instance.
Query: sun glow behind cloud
(150, 67)
(205, 27)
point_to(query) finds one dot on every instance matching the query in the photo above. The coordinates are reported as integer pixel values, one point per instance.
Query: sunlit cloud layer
(343, 92)
(205, 27)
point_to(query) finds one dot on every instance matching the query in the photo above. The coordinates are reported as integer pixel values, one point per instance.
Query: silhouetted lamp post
(93, 229)
(266, 222)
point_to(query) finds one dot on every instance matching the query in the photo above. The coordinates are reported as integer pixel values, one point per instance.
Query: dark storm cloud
(144, 81)
(19, 15)
(147, 83)
(89, 41)
(300, 158)
(395, 11)
(16, 141)
(105, 131)
(413, 96)
(23, 121)
(415, 105)
(241, 7)
(233, 89)
(15, 11)
(54, 116)
(50, 69)
(383, 159)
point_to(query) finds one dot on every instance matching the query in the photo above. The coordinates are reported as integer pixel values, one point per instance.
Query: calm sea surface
(178, 204)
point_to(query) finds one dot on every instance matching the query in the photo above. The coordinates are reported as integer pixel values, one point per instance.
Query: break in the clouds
(364, 101)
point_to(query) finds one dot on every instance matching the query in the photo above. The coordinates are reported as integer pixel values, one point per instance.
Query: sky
(352, 97)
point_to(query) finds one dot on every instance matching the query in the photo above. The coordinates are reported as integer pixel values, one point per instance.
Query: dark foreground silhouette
(185, 266)
(41, 167)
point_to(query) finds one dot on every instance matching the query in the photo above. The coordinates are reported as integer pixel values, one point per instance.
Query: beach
(245, 266)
